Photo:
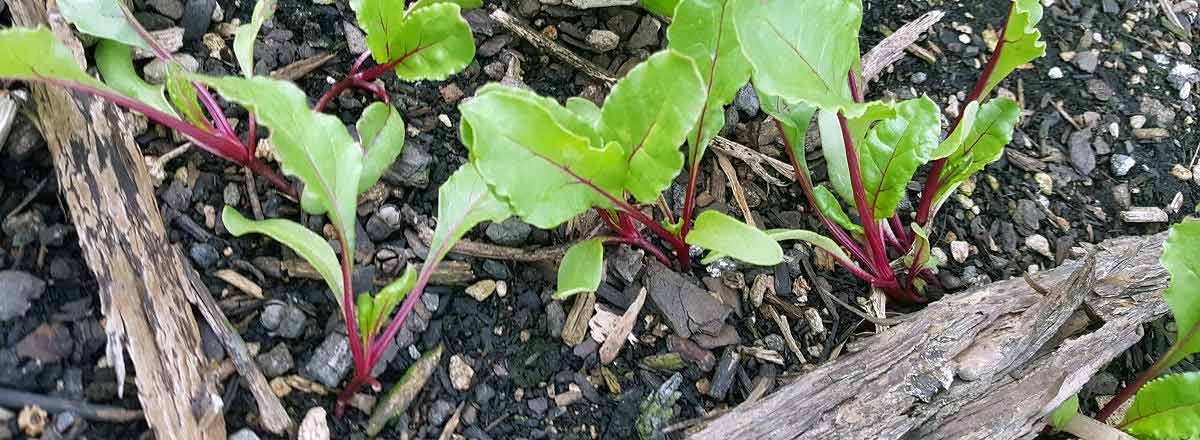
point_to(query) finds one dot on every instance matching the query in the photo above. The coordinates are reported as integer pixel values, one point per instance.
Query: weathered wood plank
(103, 179)
(989, 363)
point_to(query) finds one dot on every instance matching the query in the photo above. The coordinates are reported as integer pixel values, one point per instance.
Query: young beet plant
(804, 56)
(426, 40)
(1165, 407)
(550, 162)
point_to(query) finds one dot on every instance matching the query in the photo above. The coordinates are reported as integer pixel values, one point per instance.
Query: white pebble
(1056, 73)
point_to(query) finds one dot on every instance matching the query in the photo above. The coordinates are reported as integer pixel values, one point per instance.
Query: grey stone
(627, 262)
(1163, 115)
(603, 40)
(480, 21)
(232, 195)
(1083, 157)
(197, 15)
(1121, 164)
(723, 377)
(688, 308)
(17, 288)
(156, 70)
(244, 434)
(1183, 75)
(170, 8)
(412, 169)
(747, 101)
(529, 8)
(1087, 61)
(204, 255)
(384, 223)
(177, 195)
(440, 410)
(774, 342)
(539, 405)
(23, 228)
(1100, 89)
(330, 361)
(1103, 384)
(555, 318)
(356, 40)
(283, 320)
(484, 394)
(511, 232)
(23, 139)
(276, 362)
(646, 34)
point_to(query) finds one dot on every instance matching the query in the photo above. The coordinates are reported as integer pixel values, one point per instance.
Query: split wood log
(989, 363)
(103, 178)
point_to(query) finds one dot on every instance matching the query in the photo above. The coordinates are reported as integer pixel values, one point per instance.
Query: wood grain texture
(103, 179)
(989, 363)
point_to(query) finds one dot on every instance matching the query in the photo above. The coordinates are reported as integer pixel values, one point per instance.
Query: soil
(512, 341)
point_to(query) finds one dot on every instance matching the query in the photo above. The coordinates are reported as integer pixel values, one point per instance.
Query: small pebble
(1039, 244)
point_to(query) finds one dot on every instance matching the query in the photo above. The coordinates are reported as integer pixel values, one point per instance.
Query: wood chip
(1151, 134)
(8, 114)
(576, 326)
(171, 39)
(452, 424)
(616, 339)
(241, 282)
(1151, 214)
(301, 68)
(739, 194)
(785, 329)
(762, 354)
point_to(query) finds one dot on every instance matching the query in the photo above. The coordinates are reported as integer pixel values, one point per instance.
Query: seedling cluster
(546, 163)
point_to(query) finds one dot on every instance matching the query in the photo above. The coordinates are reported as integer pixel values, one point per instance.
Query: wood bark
(103, 179)
(989, 363)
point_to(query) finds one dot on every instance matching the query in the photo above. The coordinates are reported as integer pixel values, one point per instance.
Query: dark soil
(512, 341)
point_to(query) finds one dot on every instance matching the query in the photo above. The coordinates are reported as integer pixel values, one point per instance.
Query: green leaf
(660, 7)
(522, 147)
(115, 63)
(464, 4)
(183, 95)
(101, 18)
(367, 316)
(956, 139)
(463, 202)
(35, 54)
(1167, 408)
(304, 242)
(832, 208)
(1181, 257)
(704, 31)
(244, 36)
(820, 241)
(1022, 42)
(726, 235)
(894, 148)
(921, 252)
(1065, 412)
(381, 134)
(585, 109)
(428, 41)
(991, 131)
(650, 113)
(794, 119)
(384, 302)
(802, 50)
(833, 143)
(312, 146)
(581, 269)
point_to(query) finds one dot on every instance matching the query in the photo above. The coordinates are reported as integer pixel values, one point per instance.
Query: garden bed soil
(1109, 65)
